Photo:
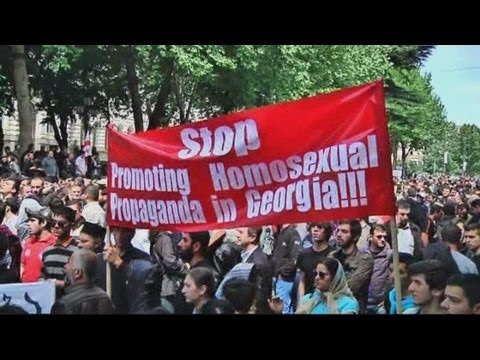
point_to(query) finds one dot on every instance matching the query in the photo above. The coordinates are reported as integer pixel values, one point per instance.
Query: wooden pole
(109, 268)
(107, 264)
(396, 266)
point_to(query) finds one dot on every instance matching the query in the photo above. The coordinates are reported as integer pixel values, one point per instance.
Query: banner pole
(108, 273)
(109, 269)
(396, 265)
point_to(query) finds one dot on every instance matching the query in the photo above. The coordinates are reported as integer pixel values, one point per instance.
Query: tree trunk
(20, 77)
(405, 153)
(63, 131)
(158, 117)
(133, 81)
(86, 124)
(394, 145)
(178, 92)
(56, 132)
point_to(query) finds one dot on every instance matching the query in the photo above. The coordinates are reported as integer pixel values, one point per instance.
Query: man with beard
(358, 265)
(378, 247)
(193, 251)
(408, 234)
(82, 296)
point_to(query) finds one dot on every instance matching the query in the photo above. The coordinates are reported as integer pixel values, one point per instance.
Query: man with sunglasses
(56, 256)
(377, 246)
(40, 238)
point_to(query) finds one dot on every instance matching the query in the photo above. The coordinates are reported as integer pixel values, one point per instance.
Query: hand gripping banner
(320, 158)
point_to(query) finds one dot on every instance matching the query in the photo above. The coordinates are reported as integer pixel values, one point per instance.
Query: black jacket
(263, 279)
(286, 247)
(83, 299)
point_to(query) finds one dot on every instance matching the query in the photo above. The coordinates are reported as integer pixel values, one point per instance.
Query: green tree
(417, 116)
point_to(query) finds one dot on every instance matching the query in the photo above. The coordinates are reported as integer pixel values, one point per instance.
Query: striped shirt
(54, 259)
(241, 271)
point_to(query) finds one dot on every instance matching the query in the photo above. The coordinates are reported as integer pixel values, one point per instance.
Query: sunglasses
(320, 274)
(60, 223)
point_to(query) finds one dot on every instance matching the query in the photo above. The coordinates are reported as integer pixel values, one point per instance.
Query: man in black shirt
(309, 258)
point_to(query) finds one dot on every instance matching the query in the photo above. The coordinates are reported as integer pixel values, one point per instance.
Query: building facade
(43, 134)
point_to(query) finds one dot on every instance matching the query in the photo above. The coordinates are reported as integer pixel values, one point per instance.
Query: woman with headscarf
(331, 294)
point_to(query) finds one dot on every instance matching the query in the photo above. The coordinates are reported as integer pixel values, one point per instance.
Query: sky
(455, 73)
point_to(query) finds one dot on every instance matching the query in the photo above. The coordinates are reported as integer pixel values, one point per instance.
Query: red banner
(320, 158)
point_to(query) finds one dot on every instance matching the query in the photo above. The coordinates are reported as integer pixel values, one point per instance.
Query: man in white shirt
(408, 234)
(92, 212)
(81, 166)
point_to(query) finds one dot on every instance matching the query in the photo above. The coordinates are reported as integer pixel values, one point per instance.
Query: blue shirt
(345, 304)
(465, 265)
(407, 302)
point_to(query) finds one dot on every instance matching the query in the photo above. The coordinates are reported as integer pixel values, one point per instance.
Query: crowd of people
(53, 226)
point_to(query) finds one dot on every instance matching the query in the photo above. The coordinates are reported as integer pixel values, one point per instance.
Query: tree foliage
(175, 84)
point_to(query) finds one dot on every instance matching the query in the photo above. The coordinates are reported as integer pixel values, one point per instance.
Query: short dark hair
(435, 209)
(435, 273)
(13, 203)
(255, 231)
(75, 202)
(66, 212)
(16, 182)
(470, 284)
(475, 203)
(326, 226)
(403, 204)
(473, 227)
(56, 203)
(377, 227)
(355, 228)
(94, 230)
(403, 258)
(449, 209)
(240, 293)
(217, 307)
(92, 192)
(50, 179)
(201, 237)
(451, 234)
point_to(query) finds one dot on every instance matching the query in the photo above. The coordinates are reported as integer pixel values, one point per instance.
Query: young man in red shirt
(40, 238)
